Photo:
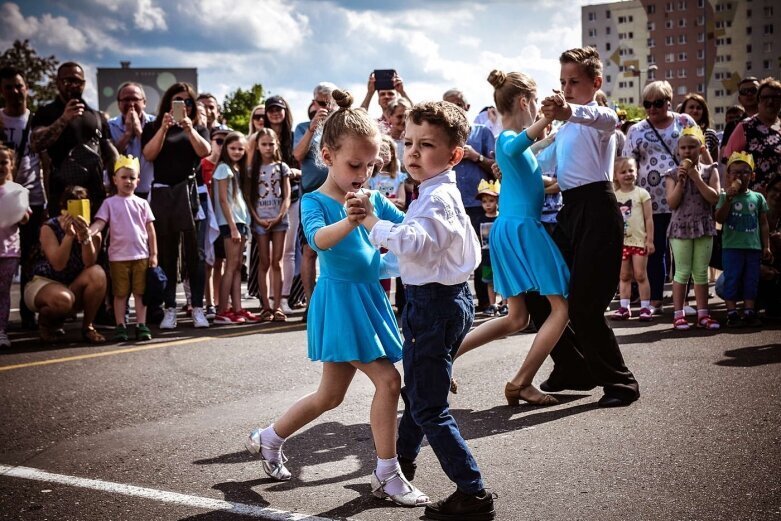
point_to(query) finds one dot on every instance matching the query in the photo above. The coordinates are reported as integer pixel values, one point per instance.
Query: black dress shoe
(614, 400)
(549, 386)
(460, 506)
(408, 467)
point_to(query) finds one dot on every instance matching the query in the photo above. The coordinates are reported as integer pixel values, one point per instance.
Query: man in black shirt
(65, 124)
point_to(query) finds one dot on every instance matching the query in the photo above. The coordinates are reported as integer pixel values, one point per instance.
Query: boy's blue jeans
(741, 270)
(435, 321)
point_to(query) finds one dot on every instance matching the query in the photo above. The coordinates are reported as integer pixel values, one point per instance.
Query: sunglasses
(257, 117)
(75, 82)
(187, 101)
(218, 141)
(657, 104)
(323, 104)
(752, 91)
(131, 100)
(770, 97)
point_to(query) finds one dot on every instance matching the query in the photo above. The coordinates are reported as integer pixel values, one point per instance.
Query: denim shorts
(225, 230)
(282, 226)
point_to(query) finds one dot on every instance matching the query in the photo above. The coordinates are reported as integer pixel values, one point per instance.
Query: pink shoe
(228, 318)
(708, 323)
(621, 314)
(646, 315)
(681, 324)
(247, 315)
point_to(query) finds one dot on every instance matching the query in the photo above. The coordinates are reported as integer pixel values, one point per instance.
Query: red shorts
(630, 251)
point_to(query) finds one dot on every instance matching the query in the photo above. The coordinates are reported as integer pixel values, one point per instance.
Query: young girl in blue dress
(351, 325)
(523, 256)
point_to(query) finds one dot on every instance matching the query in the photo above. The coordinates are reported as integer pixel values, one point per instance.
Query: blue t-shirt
(469, 173)
(312, 175)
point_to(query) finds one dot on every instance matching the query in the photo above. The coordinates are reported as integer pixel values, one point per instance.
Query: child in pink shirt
(132, 245)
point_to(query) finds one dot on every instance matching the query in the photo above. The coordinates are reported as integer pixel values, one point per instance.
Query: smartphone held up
(178, 110)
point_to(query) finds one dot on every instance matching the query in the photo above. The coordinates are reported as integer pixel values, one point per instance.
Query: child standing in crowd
(10, 246)
(524, 256)
(132, 247)
(388, 180)
(269, 196)
(233, 217)
(350, 324)
(437, 250)
(745, 238)
(213, 271)
(488, 194)
(692, 189)
(635, 205)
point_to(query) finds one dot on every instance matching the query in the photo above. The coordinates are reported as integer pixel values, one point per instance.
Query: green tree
(633, 112)
(238, 105)
(39, 71)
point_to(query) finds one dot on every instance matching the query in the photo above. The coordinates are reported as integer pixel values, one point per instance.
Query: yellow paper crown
(695, 132)
(488, 187)
(127, 162)
(741, 156)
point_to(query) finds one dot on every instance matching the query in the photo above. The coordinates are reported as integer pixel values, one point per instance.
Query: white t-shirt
(29, 173)
(270, 189)
(385, 184)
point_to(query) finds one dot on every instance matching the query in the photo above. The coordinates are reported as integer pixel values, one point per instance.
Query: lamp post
(639, 73)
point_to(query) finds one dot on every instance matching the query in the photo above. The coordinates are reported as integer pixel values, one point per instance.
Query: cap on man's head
(219, 131)
(276, 101)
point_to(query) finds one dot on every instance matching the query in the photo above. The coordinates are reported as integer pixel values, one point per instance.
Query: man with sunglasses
(66, 123)
(747, 98)
(306, 149)
(126, 130)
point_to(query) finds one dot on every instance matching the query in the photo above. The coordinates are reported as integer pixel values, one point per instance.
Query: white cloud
(149, 17)
(50, 30)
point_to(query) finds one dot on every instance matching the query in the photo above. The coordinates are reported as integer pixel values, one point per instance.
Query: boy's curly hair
(586, 57)
(450, 117)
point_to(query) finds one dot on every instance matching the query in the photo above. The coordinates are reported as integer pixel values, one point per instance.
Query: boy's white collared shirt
(436, 241)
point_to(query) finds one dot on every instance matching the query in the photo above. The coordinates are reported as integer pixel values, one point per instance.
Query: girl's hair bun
(497, 78)
(342, 98)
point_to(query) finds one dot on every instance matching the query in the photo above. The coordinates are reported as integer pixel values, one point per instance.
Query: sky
(291, 45)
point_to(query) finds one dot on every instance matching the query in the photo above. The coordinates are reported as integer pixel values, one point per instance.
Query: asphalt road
(156, 430)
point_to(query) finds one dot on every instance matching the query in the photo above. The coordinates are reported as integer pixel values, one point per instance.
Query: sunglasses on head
(749, 91)
(323, 104)
(257, 116)
(657, 104)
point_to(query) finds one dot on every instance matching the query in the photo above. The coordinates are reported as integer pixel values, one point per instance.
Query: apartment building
(703, 46)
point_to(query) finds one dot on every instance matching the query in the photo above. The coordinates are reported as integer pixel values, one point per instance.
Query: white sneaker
(199, 319)
(283, 305)
(4, 342)
(689, 311)
(169, 319)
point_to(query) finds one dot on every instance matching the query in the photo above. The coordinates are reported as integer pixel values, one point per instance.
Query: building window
(766, 64)
(700, 54)
(700, 37)
(767, 47)
(682, 73)
(668, 24)
(681, 38)
(681, 90)
(682, 22)
(669, 57)
(748, 48)
(608, 78)
(748, 13)
(748, 66)
(651, 59)
(724, 41)
(769, 29)
(718, 93)
(592, 32)
(768, 11)
(719, 110)
(701, 20)
(651, 43)
(651, 26)
(651, 75)
(592, 16)
(669, 74)
(622, 19)
(651, 9)
(700, 3)
(607, 14)
(668, 40)
(700, 72)
(668, 7)
(682, 56)
(607, 30)
(748, 30)
(607, 46)
(681, 5)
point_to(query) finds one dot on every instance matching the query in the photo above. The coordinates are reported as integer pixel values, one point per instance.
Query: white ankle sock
(386, 469)
(271, 444)
(625, 303)
(646, 304)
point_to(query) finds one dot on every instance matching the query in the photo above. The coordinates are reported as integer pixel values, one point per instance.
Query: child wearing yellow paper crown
(692, 188)
(132, 246)
(745, 239)
(488, 194)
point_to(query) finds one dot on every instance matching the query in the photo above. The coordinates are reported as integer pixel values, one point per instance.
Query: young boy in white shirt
(437, 250)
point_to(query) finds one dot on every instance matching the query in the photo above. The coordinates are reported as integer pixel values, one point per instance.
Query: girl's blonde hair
(393, 164)
(347, 121)
(12, 157)
(619, 165)
(507, 88)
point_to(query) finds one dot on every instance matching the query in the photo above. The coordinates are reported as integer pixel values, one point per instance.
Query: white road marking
(157, 495)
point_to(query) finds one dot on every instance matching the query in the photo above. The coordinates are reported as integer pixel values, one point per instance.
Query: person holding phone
(64, 124)
(387, 84)
(175, 148)
(66, 277)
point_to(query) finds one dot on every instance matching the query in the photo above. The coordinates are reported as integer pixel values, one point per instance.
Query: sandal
(681, 324)
(266, 315)
(278, 316)
(707, 322)
(91, 335)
